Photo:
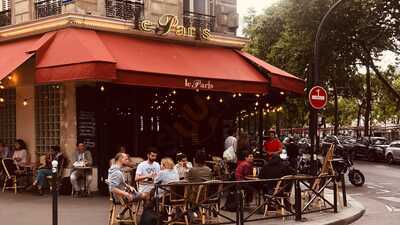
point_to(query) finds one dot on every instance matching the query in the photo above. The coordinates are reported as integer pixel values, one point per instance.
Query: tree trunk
(368, 102)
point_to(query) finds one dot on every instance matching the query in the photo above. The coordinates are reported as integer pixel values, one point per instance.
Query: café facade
(163, 82)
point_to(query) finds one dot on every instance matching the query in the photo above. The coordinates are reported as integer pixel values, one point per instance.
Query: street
(380, 194)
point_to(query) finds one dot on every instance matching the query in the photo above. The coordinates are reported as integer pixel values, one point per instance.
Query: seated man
(82, 158)
(117, 185)
(275, 168)
(147, 171)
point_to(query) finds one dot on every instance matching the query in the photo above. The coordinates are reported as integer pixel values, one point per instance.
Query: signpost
(318, 97)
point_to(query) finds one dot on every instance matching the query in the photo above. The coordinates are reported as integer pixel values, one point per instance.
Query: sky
(244, 5)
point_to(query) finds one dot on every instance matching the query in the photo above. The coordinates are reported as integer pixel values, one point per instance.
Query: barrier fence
(253, 200)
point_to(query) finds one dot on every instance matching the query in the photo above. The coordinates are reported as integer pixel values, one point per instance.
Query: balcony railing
(48, 8)
(194, 19)
(5, 18)
(126, 10)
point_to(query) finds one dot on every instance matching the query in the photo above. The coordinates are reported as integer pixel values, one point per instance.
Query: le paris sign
(318, 97)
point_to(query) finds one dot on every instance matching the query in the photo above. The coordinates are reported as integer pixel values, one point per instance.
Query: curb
(354, 205)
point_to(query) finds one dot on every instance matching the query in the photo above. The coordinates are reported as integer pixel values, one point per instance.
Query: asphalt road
(380, 194)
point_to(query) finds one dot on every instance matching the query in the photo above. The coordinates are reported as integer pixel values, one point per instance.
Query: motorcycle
(345, 164)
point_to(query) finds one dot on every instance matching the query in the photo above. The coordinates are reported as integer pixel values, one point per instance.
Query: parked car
(392, 152)
(370, 148)
(332, 139)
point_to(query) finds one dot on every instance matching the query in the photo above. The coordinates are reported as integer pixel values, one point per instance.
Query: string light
(1, 86)
(102, 88)
(257, 95)
(221, 100)
(1, 100)
(174, 92)
(25, 102)
(282, 93)
(208, 98)
(10, 77)
(256, 103)
(265, 113)
(240, 95)
(234, 95)
(267, 104)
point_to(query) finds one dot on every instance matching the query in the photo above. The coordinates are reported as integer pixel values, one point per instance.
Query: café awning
(82, 54)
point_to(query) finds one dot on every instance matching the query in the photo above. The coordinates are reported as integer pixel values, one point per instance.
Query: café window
(7, 116)
(48, 105)
(197, 6)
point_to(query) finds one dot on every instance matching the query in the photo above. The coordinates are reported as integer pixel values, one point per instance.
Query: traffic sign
(318, 97)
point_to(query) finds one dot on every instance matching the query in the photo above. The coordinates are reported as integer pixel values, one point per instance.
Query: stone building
(166, 73)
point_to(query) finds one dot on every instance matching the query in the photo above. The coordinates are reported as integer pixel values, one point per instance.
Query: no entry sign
(318, 97)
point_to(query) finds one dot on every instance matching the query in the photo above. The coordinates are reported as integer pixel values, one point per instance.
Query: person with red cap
(272, 145)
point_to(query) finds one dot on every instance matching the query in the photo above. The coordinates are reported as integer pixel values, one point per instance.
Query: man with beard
(147, 171)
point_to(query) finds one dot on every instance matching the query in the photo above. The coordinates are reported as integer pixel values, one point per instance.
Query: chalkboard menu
(87, 128)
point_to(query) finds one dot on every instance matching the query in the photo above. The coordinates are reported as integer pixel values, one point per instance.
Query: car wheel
(389, 158)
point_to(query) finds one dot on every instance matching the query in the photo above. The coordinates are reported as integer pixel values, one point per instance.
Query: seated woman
(44, 171)
(200, 172)
(167, 174)
(20, 155)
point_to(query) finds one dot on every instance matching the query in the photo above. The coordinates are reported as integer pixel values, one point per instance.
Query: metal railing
(5, 17)
(294, 196)
(48, 8)
(126, 10)
(194, 19)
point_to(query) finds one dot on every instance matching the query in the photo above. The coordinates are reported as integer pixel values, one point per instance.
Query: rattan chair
(12, 174)
(209, 200)
(279, 196)
(175, 199)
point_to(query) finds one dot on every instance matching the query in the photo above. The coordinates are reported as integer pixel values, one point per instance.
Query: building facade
(138, 73)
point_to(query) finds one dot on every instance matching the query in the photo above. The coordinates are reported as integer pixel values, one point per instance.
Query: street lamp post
(313, 127)
(54, 164)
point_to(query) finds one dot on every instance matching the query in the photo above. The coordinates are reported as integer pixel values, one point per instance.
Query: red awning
(75, 54)
(80, 54)
(152, 63)
(279, 79)
(13, 54)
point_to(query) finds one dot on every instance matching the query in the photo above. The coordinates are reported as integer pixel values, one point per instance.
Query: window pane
(200, 6)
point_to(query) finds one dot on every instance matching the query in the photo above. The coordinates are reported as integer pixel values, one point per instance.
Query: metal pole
(297, 203)
(54, 164)
(343, 190)
(335, 195)
(313, 126)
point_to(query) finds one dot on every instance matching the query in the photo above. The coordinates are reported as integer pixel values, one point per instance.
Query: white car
(393, 152)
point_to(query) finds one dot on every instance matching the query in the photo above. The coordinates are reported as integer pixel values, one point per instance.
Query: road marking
(392, 199)
(375, 185)
(386, 183)
(355, 194)
(382, 192)
(389, 208)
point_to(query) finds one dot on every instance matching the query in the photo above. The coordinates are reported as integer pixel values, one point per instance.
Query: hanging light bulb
(102, 88)
(1, 86)
(240, 95)
(174, 92)
(208, 98)
(256, 104)
(10, 77)
(265, 113)
(221, 100)
(267, 104)
(257, 95)
(1, 100)
(234, 95)
(282, 93)
(25, 102)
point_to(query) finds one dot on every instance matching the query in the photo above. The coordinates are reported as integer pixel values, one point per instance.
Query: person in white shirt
(147, 171)
(230, 147)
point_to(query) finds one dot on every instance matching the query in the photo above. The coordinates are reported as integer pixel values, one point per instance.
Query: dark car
(327, 141)
(370, 148)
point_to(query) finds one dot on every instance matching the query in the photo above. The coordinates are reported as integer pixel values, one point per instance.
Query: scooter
(344, 164)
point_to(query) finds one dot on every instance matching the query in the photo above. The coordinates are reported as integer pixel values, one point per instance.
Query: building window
(5, 13)
(199, 13)
(125, 9)
(7, 116)
(45, 8)
(48, 105)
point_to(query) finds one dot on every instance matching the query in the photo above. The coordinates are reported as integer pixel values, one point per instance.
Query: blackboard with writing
(87, 128)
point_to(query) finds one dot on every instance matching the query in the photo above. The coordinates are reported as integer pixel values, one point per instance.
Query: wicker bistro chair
(12, 174)
(280, 196)
(174, 200)
(121, 205)
(209, 200)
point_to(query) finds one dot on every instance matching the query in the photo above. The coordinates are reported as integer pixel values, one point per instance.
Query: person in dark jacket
(293, 152)
(275, 168)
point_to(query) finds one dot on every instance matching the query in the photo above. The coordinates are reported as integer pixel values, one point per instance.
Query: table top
(82, 167)
(251, 177)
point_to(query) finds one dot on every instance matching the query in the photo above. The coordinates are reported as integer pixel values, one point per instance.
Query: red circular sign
(318, 97)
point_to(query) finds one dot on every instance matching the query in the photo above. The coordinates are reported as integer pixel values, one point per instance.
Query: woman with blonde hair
(167, 174)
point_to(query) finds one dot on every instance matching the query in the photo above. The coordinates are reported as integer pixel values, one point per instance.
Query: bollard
(54, 164)
(297, 200)
(335, 194)
(343, 190)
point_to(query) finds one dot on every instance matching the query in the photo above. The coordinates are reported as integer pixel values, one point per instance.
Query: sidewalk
(26, 209)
